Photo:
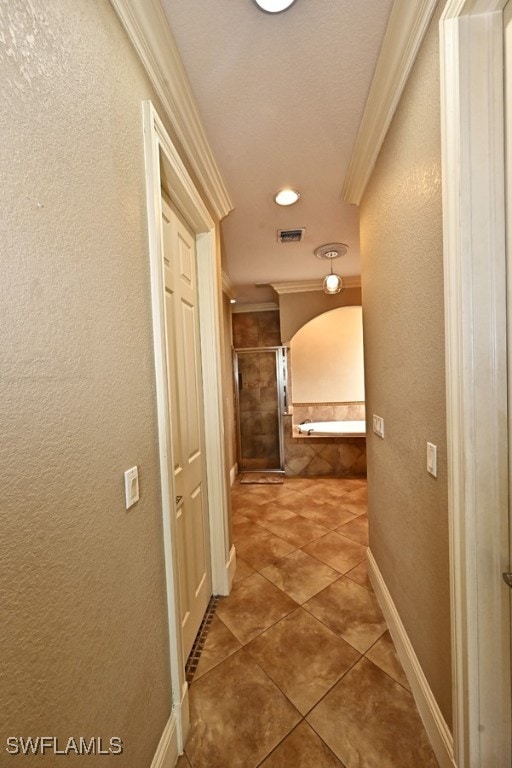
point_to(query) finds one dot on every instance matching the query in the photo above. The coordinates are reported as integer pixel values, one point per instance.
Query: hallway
(298, 668)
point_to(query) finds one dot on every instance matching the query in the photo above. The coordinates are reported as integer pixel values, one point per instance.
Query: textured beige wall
(402, 282)
(83, 636)
(326, 357)
(297, 309)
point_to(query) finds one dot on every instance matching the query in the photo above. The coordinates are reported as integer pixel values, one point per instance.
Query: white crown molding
(227, 286)
(268, 306)
(408, 22)
(147, 27)
(303, 286)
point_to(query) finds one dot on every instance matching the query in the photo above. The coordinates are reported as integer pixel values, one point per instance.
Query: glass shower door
(259, 375)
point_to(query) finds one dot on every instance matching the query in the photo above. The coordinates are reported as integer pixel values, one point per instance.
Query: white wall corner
(433, 720)
(147, 27)
(407, 25)
(166, 754)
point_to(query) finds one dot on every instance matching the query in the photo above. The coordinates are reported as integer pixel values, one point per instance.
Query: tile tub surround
(322, 456)
(298, 669)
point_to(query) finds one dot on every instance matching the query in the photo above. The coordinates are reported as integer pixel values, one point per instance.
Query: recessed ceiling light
(274, 6)
(286, 197)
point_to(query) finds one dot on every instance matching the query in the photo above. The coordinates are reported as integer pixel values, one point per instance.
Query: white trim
(476, 368)
(166, 754)
(147, 27)
(433, 720)
(158, 149)
(233, 472)
(268, 306)
(231, 566)
(227, 286)
(303, 286)
(408, 22)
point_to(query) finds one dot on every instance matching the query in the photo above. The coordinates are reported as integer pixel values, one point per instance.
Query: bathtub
(332, 428)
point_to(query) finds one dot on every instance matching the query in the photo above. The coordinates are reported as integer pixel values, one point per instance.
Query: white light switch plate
(131, 486)
(432, 459)
(378, 425)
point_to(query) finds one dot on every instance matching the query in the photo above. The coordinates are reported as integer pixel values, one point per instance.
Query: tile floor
(298, 669)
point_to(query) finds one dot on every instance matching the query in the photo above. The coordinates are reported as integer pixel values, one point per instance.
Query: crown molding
(303, 286)
(407, 25)
(268, 306)
(147, 27)
(227, 285)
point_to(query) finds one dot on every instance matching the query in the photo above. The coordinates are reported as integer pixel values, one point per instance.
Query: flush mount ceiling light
(286, 197)
(274, 6)
(332, 282)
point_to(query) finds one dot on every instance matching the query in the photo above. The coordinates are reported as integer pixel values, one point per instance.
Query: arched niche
(326, 357)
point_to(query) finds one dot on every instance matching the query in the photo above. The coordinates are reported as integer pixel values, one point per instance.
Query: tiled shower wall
(256, 329)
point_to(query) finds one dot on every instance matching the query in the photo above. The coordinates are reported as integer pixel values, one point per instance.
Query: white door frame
(476, 367)
(160, 154)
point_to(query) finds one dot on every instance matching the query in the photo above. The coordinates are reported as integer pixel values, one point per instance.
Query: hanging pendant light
(333, 283)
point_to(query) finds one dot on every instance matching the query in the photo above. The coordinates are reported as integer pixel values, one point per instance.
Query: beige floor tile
(324, 513)
(360, 575)
(333, 491)
(351, 611)
(300, 575)
(242, 570)
(220, 643)
(384, 655)
(253, 605)
(358, 495)
(302, 749)
(238, 715)
(355, 507)
(337, 551)
(269, 513)
(297, 530)
(243, 528)
(262, 548)
(302, 657)
(356, 529)
(183, 762)
(370, 721)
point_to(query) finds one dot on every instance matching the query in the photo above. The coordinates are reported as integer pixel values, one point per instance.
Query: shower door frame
(281, 383)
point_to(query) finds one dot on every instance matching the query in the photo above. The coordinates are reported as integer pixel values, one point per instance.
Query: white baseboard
(166, 755)
(231, 566)
(433, 720)
(233, 472)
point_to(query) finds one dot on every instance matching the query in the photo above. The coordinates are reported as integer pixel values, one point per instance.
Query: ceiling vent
(290, 235)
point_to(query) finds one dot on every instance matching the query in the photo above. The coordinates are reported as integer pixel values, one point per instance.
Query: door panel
(187, 424)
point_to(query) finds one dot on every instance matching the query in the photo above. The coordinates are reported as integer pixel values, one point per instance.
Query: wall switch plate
(131, 486)
(378, 425)
(432, 459)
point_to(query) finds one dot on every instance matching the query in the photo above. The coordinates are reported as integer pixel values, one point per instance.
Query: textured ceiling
(281, 98)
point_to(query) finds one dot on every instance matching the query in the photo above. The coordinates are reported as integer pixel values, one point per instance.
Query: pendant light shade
(333, 283)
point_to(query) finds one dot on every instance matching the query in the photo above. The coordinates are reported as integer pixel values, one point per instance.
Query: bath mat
(261, 477)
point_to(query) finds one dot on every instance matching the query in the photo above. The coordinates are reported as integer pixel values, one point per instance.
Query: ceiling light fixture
(286, 197)
(333, 283)
(274, 6)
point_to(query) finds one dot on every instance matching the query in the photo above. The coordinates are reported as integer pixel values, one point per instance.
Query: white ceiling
(281, 98)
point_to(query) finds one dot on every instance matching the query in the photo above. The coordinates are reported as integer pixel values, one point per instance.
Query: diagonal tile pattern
(298, 668)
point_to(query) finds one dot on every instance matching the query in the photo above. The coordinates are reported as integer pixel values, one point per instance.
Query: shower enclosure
(260, 383)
